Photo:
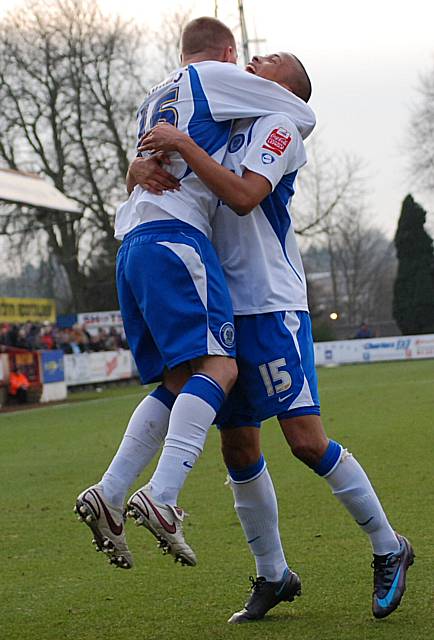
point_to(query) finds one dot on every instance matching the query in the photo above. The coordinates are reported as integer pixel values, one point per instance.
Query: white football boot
(164, 522)
(107, 523)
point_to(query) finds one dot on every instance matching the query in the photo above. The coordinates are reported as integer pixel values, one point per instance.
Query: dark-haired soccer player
(255, 241)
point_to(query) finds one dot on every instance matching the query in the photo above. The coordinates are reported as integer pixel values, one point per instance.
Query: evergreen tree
(413, 301)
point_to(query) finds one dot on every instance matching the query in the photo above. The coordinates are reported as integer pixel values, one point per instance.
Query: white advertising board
(100, 319)
(374, 350)
(103, 366)
(87, 368)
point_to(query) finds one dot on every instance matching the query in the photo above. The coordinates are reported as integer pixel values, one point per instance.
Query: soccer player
(262, 264)
(173, 297)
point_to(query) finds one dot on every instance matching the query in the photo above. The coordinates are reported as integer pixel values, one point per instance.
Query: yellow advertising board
(20, 310)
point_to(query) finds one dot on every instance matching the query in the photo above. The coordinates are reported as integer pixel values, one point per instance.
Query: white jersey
(259, 252)
(201, 100)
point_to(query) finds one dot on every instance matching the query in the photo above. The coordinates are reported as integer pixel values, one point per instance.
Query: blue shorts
(276, 370)
(173, 297)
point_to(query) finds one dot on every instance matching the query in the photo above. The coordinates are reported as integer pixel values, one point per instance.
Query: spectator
(5, 335)
(18, 385)
(364, 331)
(113, 341)
(47, 336)
(63, 341)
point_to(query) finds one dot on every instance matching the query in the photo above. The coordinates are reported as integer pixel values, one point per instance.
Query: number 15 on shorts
(275, 378)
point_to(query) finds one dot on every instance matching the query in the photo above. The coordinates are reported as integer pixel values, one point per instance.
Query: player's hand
(163, 137)
(149, 174)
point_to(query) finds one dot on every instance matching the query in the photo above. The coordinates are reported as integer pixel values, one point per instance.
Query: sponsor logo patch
(236, 143)
(277, 141)
(227, 334)
(267, 158)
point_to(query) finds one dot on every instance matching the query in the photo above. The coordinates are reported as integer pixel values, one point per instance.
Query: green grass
(54, 586)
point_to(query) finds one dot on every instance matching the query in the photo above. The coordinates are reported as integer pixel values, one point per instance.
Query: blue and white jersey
(201, 100)
(258, 252)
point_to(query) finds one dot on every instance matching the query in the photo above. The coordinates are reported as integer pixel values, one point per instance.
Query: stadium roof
(30, 189)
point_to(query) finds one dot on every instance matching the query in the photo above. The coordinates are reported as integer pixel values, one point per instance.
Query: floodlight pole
(244, 35)
(216, 8)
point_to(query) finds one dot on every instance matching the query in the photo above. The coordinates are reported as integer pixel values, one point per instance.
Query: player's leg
(143, 437)
(193, 412)
(351, 486)
(304, 431)
(256, 506)
(99, 509)
(345, 476)
(101, 506)
(262, 356)
(192, 415)
(194, 324)
(255, 499)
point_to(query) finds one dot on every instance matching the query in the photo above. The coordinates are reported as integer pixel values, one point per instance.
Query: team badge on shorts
(277, 141)
(236, 143)
(227, 334)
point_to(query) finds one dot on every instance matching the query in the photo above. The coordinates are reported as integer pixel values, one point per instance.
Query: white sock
(351, 486)
(143, 437)
(256, 507)
(192, 415)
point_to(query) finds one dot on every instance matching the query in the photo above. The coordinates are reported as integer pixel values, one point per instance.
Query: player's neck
(200, 57)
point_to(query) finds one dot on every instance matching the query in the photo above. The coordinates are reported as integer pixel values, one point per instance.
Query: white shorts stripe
(292, 323)
(194, 266)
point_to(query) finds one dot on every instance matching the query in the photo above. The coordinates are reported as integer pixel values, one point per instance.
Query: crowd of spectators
(76, 339)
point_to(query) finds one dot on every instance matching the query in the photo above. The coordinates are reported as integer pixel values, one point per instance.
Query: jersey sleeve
(276, 149)
(233, 93)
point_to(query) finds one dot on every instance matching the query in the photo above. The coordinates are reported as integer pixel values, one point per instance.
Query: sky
(364, 59)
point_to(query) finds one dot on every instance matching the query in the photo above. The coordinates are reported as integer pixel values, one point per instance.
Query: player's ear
(230, 55)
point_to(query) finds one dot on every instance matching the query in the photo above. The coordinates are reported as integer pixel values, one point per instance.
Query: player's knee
(226, 372)
(239, 458)
(308, 452)
(240, 453)
(308, 447)
(306, 437)
(222, 369)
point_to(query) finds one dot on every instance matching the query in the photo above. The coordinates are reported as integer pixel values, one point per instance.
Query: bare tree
(327, 186)
(71, 79)
(358, 262)
(168, 39)
(362, 264)
(421, 140)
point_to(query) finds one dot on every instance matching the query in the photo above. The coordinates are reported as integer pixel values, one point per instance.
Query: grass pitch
(54, 586)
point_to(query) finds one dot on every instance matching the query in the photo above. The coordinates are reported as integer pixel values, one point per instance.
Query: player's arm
(240, 193)
(233, 93)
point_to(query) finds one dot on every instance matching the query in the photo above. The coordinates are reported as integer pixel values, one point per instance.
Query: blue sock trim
(330, 458)
(206, 388)
(164, 395)
(248, 473)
